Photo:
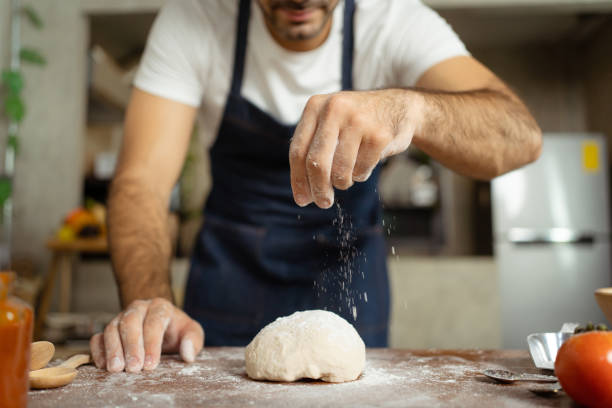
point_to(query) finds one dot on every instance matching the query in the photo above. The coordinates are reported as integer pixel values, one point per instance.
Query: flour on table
(390, 378)
(191, 370)
(313, 344)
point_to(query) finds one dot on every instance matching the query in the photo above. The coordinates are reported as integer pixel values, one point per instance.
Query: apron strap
(241, 44)
(240, 47)
(348, 45)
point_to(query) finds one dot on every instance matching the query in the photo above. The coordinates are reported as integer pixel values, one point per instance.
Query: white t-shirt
(190, 51)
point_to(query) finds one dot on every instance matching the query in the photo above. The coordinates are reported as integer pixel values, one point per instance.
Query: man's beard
(292, 32)
(301, 5)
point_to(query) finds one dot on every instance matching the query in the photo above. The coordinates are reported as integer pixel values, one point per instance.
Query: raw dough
(313, 344)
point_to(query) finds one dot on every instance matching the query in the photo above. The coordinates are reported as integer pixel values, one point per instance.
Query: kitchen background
(556, 54)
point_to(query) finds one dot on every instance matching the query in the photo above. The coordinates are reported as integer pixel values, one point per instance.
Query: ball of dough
(313, 344)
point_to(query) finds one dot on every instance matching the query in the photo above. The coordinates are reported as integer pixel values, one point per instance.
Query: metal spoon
(40, 354)
(508, 377)
(57, 376)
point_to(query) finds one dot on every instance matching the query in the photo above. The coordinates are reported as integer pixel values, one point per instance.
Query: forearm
(481, 133)
(475, 125)
(139, 240)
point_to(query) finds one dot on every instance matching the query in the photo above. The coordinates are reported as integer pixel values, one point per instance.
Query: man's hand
(460, 114)
(135, 339)
(341, 137)
(157, 134)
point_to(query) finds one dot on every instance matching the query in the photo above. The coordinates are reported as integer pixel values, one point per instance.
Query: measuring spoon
(507, 376)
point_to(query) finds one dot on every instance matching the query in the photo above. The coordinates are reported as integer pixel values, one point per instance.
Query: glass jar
(15, 341)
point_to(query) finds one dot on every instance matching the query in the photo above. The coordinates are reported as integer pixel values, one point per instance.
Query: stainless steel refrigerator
(551, 226)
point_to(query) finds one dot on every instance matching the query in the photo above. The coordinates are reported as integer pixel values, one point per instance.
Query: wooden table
(392, 378)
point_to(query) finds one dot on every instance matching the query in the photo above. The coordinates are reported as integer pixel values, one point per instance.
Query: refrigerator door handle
(526, 236)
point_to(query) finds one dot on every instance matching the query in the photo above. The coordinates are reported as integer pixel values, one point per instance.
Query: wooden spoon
(41, 353)
(57, 376)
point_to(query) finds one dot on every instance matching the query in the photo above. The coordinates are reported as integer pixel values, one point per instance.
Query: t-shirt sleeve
(176, 56)
(420, 39)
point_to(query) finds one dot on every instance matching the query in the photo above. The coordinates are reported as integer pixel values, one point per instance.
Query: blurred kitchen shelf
(417, 228)
(122, 36)
(100, 112)
(109, 81)
(96, 7)
(96, 189)
(60, 328)
(70, 348)
(117, 42)
(493, 27)
(572, 6)
(94, 245)
(398, 247)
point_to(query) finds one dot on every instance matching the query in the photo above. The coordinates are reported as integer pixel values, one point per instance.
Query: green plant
(14, 108)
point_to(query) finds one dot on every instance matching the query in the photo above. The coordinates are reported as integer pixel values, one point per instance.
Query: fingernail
(99, 362)
(342, 182)
(132, 364)
(362, 177)
(149, 363)
(97, 359)
(187, 351)
(302, 200)
(328, 200)
(115, 364)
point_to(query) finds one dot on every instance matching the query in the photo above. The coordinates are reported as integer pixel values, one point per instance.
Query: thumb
(192, 341)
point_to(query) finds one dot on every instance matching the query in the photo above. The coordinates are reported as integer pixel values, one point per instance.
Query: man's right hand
(135, 338)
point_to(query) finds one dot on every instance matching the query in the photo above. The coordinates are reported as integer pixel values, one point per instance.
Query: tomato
(584, 368)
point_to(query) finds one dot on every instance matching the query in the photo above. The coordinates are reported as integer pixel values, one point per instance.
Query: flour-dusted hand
(135, 339)
(157, 130)
(341, 137)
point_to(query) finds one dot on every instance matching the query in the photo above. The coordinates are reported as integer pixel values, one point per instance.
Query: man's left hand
(341, 137)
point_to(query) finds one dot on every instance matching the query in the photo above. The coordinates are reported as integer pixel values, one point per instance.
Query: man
(255, 70)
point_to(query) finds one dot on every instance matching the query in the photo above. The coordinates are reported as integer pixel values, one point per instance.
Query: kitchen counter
(392, 378)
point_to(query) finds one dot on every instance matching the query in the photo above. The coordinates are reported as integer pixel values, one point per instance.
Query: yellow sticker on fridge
(590, 156)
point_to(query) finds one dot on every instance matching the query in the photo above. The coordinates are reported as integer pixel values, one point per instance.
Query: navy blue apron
(259, 255)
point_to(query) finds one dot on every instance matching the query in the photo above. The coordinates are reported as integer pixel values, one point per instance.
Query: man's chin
(302, 32)
(300, 36)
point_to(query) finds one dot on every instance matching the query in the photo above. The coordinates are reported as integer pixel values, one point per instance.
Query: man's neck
(302, 45)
